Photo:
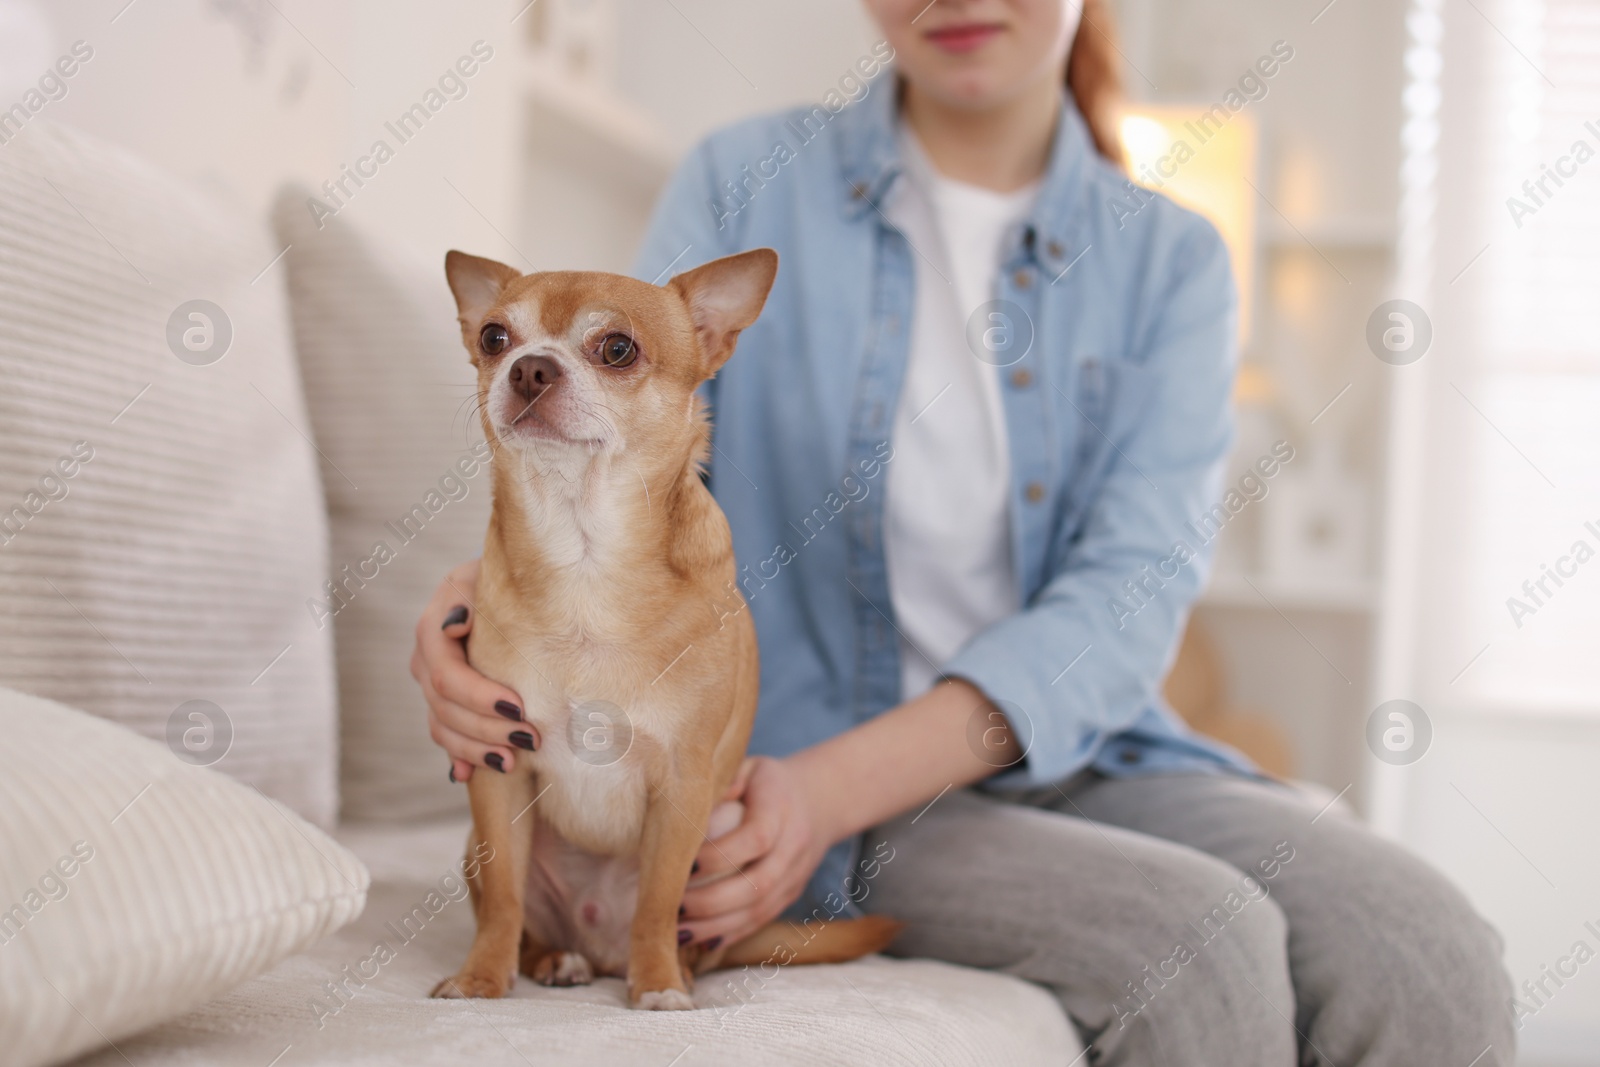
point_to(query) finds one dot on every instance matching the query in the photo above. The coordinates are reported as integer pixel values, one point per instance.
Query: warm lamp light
(1203, 160)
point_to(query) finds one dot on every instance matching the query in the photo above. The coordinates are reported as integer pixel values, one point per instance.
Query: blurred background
(1410, 618)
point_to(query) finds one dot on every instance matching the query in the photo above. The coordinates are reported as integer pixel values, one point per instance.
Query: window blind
(1501, 217)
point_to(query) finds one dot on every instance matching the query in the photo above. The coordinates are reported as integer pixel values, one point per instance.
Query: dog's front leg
(502, 876)
(674, 827)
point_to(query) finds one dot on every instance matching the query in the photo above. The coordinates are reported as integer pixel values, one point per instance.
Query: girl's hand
(744, 879)
(476, 721)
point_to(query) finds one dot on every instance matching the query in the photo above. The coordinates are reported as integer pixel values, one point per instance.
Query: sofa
(235, 455)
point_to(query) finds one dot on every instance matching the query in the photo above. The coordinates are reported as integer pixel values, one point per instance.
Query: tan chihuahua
(607, 599)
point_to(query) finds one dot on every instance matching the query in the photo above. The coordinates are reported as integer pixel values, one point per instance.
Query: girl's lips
(963, 38)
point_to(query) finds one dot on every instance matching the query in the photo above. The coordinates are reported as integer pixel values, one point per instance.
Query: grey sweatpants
(1201, 921)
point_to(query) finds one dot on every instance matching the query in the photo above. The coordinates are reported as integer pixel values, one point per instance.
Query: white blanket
(874, 1011)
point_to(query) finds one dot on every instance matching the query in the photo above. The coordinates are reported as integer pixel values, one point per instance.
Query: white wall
(235, 95)
(752, 57)
(245, 94)
(1506, 808)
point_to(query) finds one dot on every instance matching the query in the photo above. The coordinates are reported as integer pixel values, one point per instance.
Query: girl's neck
(1003, 148)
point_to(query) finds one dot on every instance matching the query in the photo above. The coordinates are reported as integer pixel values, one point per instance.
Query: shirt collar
(869, 161)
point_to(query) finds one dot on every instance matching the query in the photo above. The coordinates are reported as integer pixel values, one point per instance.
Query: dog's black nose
(532, 375)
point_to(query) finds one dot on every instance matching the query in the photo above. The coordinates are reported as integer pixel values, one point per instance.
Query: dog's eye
(494, 340)
(618, 350)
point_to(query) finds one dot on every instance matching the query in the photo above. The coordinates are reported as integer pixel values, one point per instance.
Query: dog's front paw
(472, 984)
(664, 1000)
(562, 969)
(658, 982)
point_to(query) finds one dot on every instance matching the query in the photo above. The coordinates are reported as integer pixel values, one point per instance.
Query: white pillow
(134, 886)
(390, 392)
(161, 521)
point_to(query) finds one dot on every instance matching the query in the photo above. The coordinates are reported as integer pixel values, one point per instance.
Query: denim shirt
(1115, 327)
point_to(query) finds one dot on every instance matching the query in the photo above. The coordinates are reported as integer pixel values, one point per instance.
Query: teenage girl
(980, 408)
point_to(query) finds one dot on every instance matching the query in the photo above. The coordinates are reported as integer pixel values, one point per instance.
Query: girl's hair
(1094, 78)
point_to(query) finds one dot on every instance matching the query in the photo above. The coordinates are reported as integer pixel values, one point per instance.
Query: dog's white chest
(591, 774)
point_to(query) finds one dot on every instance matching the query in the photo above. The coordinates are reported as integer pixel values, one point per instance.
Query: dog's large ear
(476, 282)
(724, 296)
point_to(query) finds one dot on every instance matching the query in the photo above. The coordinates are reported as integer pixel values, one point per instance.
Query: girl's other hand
(744, 879)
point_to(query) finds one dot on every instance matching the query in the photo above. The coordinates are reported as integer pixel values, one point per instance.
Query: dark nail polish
(509, 710)
(714, 944)
(452, 772)
(684, 937)
(681, 911)
(457, 616)
(694, 868)
(523, 739)
(493, 759)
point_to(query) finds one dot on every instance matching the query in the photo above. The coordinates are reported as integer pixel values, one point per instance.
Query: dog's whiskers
(474, 406)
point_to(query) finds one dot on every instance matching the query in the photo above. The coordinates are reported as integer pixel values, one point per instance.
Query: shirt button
(858, 191)
(1022, 279)
(1021, 378)
(1129, 755)
(1055, 250)
(1034, 492)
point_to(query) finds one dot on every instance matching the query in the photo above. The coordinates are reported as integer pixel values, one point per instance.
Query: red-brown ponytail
(1094, 78)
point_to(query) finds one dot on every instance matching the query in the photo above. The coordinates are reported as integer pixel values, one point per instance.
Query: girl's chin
(979, 87)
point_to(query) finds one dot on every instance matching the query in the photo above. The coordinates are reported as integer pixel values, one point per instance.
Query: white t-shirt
(947, 526)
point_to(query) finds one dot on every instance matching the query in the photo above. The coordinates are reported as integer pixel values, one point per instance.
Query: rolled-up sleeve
(1072, 667)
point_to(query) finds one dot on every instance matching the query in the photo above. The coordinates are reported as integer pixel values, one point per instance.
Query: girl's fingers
(487, 730)
(440, 660)
(443, 666)
(731, 925)
(752, 839)
(463, 749)
(725, 896)
(460, 771)
(760, 881)
(730, 928)
(741, 779)
(447, 609)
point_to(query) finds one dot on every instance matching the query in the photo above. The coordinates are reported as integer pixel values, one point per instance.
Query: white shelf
(602, 114)
(1288, 594)
(1334, 231)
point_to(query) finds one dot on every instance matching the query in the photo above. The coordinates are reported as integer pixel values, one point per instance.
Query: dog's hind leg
(552, 966)
(503, 841)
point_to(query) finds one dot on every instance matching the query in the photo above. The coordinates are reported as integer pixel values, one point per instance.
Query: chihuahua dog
(607, 599)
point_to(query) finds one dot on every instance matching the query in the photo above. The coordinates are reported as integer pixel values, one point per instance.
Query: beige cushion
(161, 521)
(136, 886)
(873, 1011)
(391, 396)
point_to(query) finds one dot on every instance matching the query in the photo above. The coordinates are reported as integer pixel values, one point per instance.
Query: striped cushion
(134, 887)
(390, 391)
(161, 521)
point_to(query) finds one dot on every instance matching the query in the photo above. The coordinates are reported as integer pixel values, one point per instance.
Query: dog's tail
(830, 942)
